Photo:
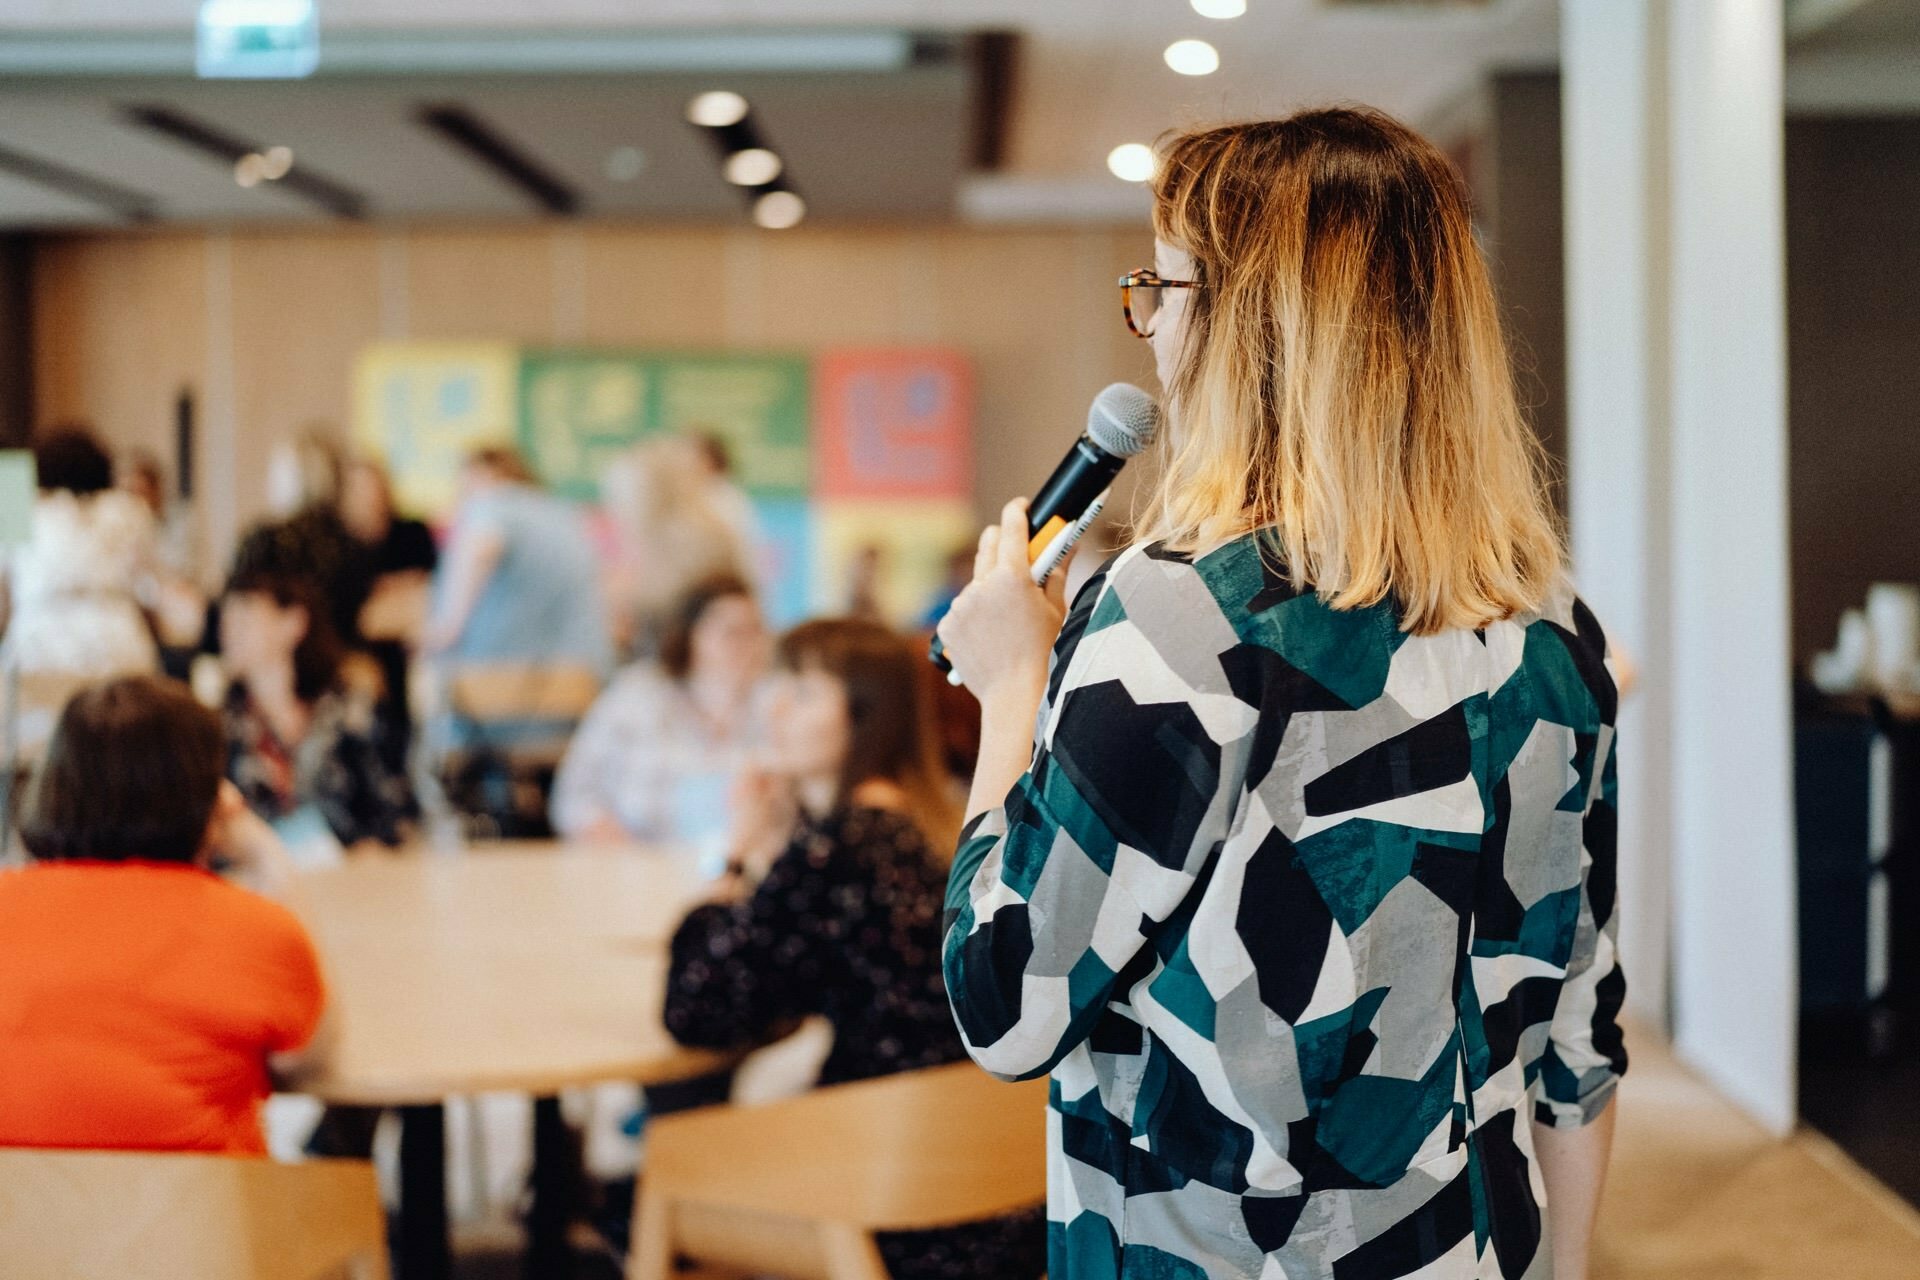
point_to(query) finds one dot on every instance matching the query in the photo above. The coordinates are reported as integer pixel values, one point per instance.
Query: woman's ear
(228, 804)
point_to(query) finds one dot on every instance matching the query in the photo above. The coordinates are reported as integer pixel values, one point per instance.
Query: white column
(1735, 966)
(1677, 489)
(1613, 124)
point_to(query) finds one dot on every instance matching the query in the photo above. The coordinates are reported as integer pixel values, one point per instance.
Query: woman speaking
(1305, 892)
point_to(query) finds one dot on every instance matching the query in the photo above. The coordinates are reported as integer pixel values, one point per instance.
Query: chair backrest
(493, 692)
(920, 1149)
(95, 1215)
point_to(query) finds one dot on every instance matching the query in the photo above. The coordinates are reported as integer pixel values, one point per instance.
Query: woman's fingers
(987, 552)
(1013, 535)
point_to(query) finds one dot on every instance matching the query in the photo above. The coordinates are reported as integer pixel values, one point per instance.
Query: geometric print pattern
(1307, 917)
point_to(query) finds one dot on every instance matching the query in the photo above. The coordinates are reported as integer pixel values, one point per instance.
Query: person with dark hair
(303, 741)
(144, 1002)
(72, 593)
(833, 906)
(656, 755)
(400, 556)
(307, 535)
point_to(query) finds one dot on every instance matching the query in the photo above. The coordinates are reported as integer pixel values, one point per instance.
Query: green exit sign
(257, 40)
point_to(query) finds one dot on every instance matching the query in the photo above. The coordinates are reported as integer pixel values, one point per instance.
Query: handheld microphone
(1121, 423)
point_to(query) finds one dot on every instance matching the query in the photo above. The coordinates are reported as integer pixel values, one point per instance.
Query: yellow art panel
(423, 406)
(904, 544)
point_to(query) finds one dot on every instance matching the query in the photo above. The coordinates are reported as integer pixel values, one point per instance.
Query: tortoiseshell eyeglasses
(1142, 293)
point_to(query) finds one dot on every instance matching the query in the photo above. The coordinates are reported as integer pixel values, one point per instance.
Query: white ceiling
(1090, 76)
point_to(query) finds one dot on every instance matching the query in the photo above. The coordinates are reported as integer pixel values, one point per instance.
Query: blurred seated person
(307, 746)
(72, 593)
(672, 528)
(307, 534)
(657, 756)
(518, 582)
(401, 557)
(145, 1004)
(836, 906)
(402, 554)
(141, 474)
(169, 592)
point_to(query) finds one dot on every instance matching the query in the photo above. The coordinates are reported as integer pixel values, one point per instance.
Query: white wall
(1677, 487)
(1735, 963)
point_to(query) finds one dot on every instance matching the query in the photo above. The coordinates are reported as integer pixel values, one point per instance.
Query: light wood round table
(522, 966)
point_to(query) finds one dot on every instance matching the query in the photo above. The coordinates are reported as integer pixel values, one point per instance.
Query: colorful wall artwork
(422, 406)
(852, 458)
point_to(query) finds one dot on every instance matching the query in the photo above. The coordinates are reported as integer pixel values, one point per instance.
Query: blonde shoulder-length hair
(1342, 383)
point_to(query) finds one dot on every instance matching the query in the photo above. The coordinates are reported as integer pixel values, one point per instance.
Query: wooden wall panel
(264, 326)
(653, 289)
(120, 331)
(302, 307)
(481, 284)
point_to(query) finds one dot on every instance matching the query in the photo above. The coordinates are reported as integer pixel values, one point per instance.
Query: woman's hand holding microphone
(999, 635)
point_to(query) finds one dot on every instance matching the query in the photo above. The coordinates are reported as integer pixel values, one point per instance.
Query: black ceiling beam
(744, 135)
(996, 64)
(210, 140)
(467, 131)
(122, 202)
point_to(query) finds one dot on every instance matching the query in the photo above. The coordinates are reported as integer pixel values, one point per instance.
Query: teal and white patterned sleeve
(1586, 1054)
(1056, 892)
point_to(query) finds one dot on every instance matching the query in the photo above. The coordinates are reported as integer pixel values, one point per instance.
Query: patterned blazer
(1307, 916)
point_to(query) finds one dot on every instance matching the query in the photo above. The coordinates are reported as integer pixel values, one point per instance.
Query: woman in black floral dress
(299, 736)
(843, 917)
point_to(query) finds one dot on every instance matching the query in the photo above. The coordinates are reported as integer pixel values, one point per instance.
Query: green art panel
(579, 408)
(757, 404)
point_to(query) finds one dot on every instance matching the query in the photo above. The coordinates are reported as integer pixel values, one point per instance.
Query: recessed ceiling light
(1219, 8)
(276, 163)
(717, 109)
(752, 167)
(1193, 57)
(624, 164)
(1131, 161)
(250, 169)
(778, 210)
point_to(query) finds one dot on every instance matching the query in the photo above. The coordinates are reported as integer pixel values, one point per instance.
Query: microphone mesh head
(1123, 420)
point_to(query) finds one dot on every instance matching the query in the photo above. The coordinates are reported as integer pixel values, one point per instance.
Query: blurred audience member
(307, 535)
(402, 557)
(308, 748)
(866, 574)
(169, 591)
(729, 500)
(519, 582)
(73, 591)
(141, 474)
(657, 755)
(143, 1002)
(845, 842)
(670, 536)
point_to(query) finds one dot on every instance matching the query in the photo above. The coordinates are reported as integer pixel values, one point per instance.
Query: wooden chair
(798, 1188)
(101, 1215)
(520, 714)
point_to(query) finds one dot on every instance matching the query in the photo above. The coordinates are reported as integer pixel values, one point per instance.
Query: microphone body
(1122, 421)
(1081, 480)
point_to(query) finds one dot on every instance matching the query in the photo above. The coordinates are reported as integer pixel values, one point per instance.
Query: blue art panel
(786, 554)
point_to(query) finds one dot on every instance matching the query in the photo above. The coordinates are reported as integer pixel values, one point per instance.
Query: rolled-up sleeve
(1056, 892)
(1586, 1054)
